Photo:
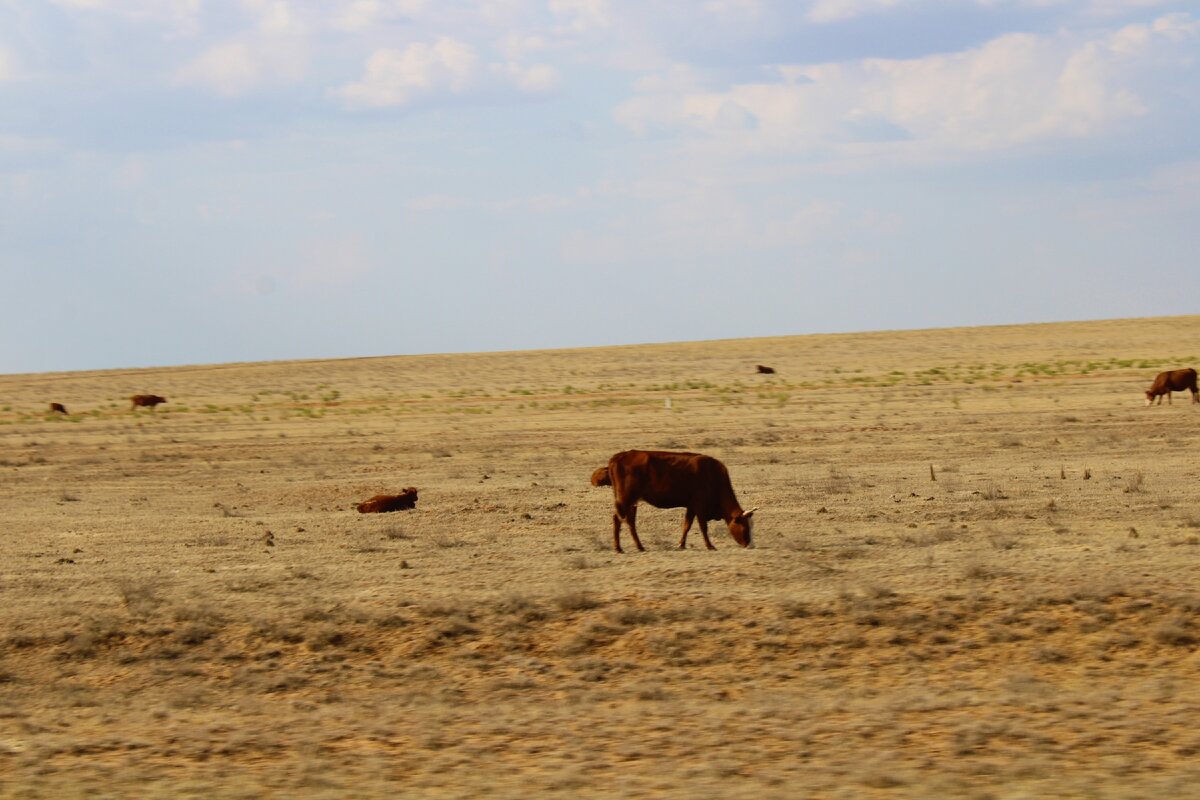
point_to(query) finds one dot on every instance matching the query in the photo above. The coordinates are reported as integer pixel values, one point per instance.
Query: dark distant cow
(697, 483)
(382, 503)
(1174, 381)
(765, 370)
(150, 400)
(58, 408)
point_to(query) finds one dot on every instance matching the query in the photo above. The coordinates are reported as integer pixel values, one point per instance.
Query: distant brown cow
(150, 400)
(382, 503)
(765, 370)
(1174, 381)
(58, 408)
(697, 483)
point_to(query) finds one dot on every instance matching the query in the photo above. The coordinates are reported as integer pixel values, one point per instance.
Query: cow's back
(669, 480)
(1175, 380)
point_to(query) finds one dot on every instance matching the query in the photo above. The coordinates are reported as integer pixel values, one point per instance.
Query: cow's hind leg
(687, 526)
(617, 530)
(704, 532)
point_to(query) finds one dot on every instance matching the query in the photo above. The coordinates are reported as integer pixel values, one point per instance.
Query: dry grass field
(192, 607)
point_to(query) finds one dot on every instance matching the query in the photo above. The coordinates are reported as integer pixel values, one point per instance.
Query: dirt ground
(975, 574)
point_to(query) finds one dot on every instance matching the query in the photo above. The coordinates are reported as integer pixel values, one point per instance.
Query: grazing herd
(697, 483)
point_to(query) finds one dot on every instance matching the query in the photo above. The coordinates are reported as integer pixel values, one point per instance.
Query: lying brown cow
(1174, 381)
(382, 503)
(58, 408)
(150, 400)
(697, 483)
(765, 370)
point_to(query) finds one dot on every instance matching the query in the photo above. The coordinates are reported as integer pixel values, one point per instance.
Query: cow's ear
(751, 511)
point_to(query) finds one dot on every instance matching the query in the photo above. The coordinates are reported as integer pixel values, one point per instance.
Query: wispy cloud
(1013, 90)
(581, 15)
(237, 67)
(837, 10)
(8, 65)
(397, 77)
(362, 15)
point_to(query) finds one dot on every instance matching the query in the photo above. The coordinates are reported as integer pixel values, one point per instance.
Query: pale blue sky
(191, 181)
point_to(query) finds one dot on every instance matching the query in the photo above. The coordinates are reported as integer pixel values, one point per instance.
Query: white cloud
(536, 79)
(397, 77)
(182, 15)
(581, 15)
(227, 69)
(1015, 89)
(838, 10)
(518, 46)
(235, 68)
(8, 66)
(274, 17)
(361, 15)
(827, 11)
(749, 9)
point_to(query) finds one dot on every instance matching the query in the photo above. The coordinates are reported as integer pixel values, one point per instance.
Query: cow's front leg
(704, 532)
(617, 530)
(688, 516)
(631, 518)
(1168, 399)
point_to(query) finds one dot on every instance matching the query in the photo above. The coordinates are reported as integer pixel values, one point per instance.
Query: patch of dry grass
(890, 635)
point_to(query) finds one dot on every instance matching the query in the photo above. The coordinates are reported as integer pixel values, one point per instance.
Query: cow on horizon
(147, 400)
(58, 408)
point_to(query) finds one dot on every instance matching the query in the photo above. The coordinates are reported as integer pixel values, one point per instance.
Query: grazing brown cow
(765, 370)
(382, 503)
(697, 483)
(58, 408)
(1174, 381)
(150, 400)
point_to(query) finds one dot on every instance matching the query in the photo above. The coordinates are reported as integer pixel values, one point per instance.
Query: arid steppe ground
(192, 607)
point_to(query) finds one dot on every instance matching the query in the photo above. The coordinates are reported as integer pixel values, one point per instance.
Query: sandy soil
(191, 606)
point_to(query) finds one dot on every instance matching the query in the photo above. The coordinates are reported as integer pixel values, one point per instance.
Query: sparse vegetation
(912, 522)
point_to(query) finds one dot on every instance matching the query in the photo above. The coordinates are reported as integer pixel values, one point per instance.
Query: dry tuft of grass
(577, 600)
(1135, 484)
(139, 596)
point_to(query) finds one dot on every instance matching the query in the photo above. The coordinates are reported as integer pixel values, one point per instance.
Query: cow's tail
(601, 477)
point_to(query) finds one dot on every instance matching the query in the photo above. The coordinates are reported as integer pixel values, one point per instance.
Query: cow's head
(739, 528)
(1149, 397)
